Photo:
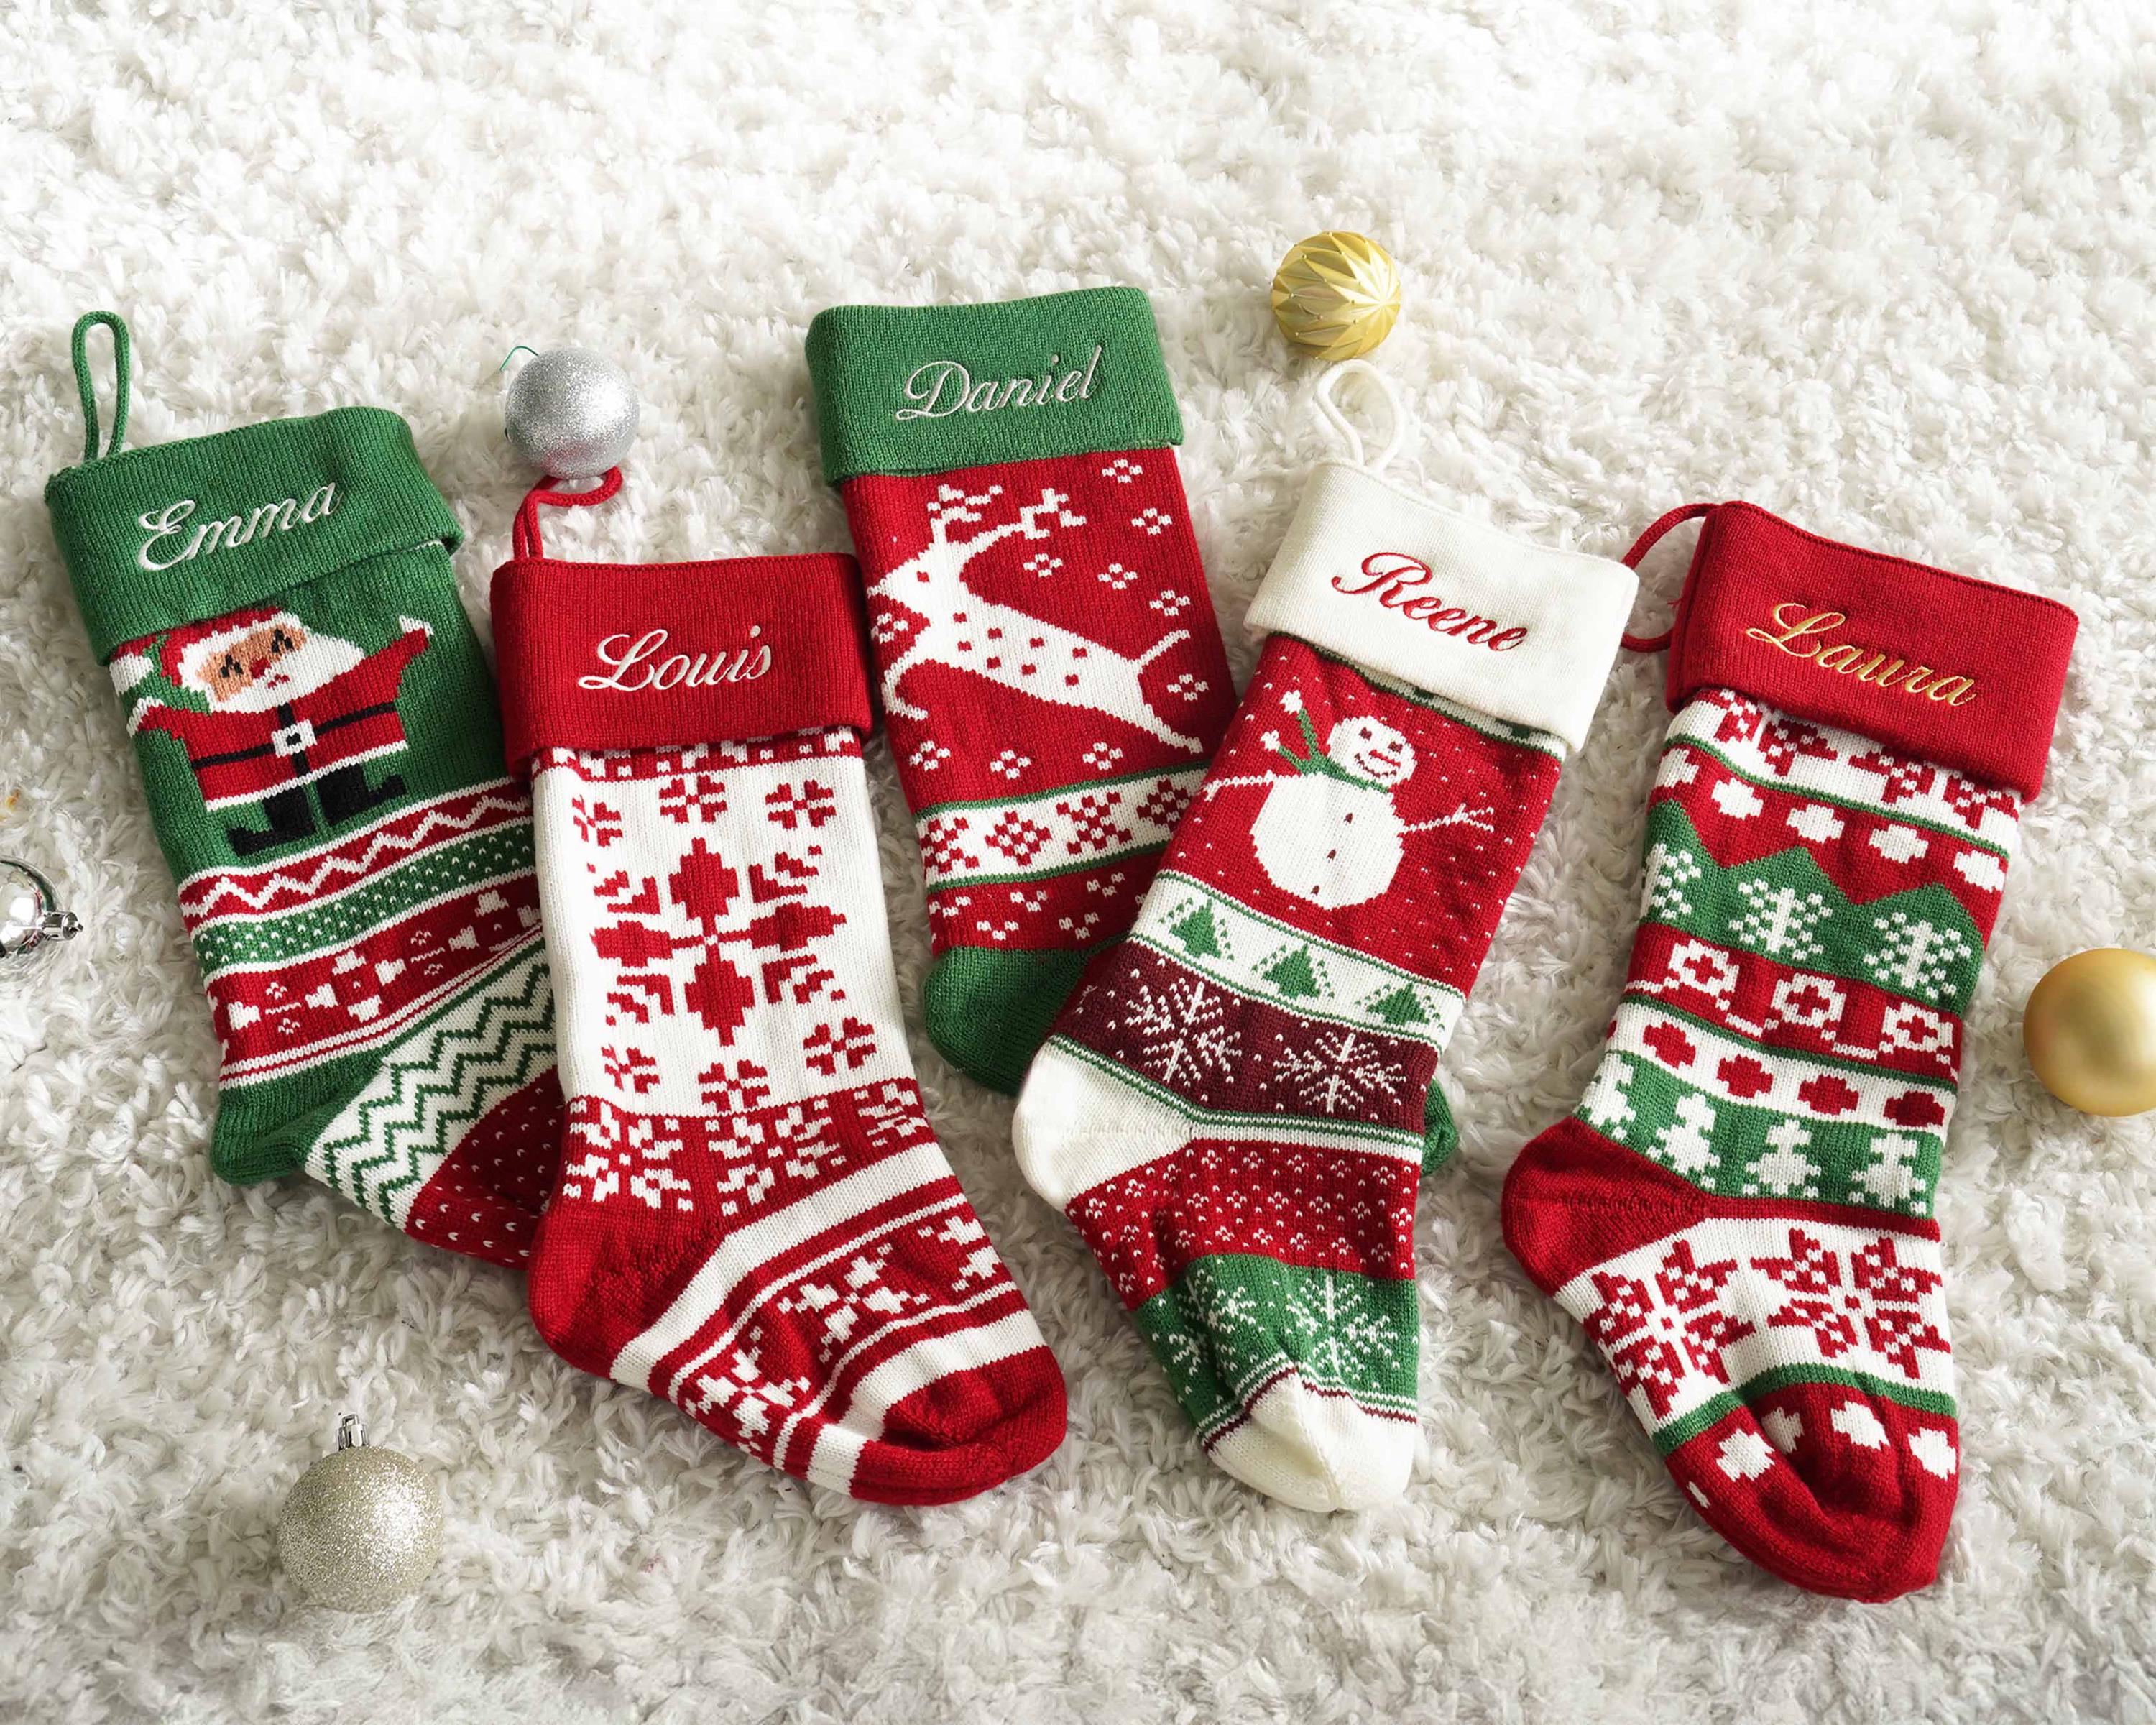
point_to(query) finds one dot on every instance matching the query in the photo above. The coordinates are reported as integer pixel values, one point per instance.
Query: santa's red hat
(192, 646)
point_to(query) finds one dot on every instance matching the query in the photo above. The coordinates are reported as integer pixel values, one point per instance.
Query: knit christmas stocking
(318, 740)
(1052, 674)
(1232, 1109)
(1740, 1211)
(753, 1218)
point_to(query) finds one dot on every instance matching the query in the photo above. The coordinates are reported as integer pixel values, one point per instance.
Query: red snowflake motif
(789, 805)
(1972, 801)
(1869, 1299)
(1784, 741)
(1905, 776)
(1093, 825)
(1164, 804)
(693, 796)
(1741, 719)
(943, 844)
(1019, 838)
(853, 1041)
(596, 823)
(735, 1091)
(1656, 1333)
(630, 1068)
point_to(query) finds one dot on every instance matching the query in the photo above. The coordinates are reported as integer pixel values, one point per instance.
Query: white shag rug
(1885, 270)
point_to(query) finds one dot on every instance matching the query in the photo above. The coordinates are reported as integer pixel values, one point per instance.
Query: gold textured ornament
(1336, 295)
(363, 1527)
(2090, 1029)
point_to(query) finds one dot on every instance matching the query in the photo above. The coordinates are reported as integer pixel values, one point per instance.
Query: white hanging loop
(1330, 410)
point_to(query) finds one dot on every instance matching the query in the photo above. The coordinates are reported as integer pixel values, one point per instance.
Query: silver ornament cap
(571, 412)
(363, 1527)
(30, 914)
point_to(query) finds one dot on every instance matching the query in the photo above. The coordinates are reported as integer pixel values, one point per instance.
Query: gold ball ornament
(2090, 1030)
(1336, 295)
(363, 1527)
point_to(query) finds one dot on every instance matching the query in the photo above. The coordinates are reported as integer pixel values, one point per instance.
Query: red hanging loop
(1640, 546)
(524, 541)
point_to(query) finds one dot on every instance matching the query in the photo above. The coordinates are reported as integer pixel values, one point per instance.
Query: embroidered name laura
(945, 386)
(1802, 634)
(634, 667)
(209, 537)
(1391, 578)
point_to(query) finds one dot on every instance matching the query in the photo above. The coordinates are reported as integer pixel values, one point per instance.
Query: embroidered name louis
(1801, 632)
(944, 386)
(209, 537)
(1391, 577)
(634, 667)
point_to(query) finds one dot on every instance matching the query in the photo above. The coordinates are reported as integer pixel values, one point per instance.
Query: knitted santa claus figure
(289, 707)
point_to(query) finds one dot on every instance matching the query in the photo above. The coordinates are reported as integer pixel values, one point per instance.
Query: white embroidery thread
(211, 537)
(678, 670)
(943, 386)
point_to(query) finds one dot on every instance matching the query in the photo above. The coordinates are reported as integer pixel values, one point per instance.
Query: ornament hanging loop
(1397, 419)
(123, 371)
(524, 540)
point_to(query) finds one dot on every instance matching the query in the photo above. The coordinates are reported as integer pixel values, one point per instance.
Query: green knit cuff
(922, 389)
(164, 535)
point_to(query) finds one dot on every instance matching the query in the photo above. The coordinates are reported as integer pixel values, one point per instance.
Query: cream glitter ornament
(363, 1527)
(1336, 295)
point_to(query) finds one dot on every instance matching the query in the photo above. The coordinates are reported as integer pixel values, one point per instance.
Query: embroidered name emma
(635, 666)
(944, 386)
(1798, 631)
(170, 523)
(1392, 576)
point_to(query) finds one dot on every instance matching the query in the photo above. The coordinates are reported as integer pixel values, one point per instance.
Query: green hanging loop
(123, 371)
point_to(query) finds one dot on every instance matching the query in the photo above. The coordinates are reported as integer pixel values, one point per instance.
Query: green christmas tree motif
(1298, 973)
(1202, 937)
(1400, 1006)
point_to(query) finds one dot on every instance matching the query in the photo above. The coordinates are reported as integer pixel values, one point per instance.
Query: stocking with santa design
(1053, 678)
(753, 1219)
(320, 746)
(1236, 1108)
(1739, 1212)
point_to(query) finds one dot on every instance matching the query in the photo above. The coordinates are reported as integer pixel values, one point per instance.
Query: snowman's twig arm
(1458, 818)
(1222, 784)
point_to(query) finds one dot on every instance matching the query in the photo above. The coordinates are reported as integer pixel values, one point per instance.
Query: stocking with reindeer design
(1052, 674)
(1237, 1107)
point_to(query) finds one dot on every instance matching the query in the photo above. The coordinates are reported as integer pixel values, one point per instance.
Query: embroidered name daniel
(170, 523)
(945, 386)
(1391, 578)
(634, 667)
(1800, 632)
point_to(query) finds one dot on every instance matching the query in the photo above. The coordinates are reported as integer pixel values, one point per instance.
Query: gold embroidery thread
(1801, 632)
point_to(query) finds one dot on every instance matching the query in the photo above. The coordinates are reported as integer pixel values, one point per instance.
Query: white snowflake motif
(1781, 922)
(1339, 1071)
(1337, 1341)
(1605, 1104)
(1155, 521)
(1183, 1031)
(1122, 470)
(1226, 1312)
(927, 757)
(1009, 764)
(1168, 602)
(1042, 564)
(1916, 957)
(1187, 686)
(1669, 872)
(856, 1299)
(1180, 1352)
(1117, 577)
(746, 1393)
(1101, 756)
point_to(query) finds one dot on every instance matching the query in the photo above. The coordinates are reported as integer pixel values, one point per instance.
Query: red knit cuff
(659, 655)
(1957, 671)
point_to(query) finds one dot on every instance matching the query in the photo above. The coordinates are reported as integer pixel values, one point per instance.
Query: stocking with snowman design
(1238, 1105)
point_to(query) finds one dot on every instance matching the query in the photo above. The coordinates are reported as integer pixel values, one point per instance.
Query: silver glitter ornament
(571, 412)
(363, 1527)
(30, 913)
